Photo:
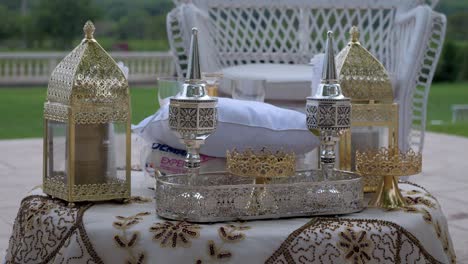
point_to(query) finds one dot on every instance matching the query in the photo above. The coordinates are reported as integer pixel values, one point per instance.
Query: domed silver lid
(329, 87)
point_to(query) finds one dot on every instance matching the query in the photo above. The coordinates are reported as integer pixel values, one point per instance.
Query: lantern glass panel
(57, 150)
(100, 153)
(365, 138)
(120, 140)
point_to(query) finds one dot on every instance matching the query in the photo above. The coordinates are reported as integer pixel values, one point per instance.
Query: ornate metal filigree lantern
(193, 114)
(374, 121)
(87, 126)
(328, 111)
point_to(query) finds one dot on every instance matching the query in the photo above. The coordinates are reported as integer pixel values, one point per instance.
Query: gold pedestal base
(388, 194)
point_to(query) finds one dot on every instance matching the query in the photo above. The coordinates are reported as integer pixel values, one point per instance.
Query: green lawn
(441, 97)
(21, 109)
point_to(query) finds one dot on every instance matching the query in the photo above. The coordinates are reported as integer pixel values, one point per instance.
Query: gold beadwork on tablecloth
(355, 245)
(51, 226)
(313, 244)
(126, 240)
(396, 235)
(175, 234)
(229, 233)
(442, 235)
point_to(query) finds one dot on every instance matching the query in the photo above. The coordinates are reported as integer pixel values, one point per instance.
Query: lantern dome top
(362, 76)
(90, 83)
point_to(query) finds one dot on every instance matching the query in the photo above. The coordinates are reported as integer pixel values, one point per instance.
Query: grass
(21, 109)
(441, 99)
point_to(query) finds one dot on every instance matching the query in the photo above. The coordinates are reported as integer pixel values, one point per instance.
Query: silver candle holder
(328, 111)
(193, 114)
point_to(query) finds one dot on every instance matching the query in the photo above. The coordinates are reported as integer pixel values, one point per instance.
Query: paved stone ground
(445, 174)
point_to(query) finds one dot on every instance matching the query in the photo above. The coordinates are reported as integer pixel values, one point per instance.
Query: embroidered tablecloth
(47, 231)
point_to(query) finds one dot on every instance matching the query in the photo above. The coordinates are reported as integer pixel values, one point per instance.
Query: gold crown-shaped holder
(261, 164)
(388, 163)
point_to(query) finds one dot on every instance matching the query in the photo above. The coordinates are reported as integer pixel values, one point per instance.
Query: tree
(9, 23)
(457, 26)
(132, 25)
(447, 69)
(62, 20)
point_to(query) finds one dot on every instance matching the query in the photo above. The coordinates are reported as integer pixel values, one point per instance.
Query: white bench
(459, 113)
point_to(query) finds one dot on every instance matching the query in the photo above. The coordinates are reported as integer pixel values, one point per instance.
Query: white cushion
(283, 81)
(241, 124)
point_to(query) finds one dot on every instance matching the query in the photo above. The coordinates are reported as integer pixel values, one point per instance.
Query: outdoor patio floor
(445, 171)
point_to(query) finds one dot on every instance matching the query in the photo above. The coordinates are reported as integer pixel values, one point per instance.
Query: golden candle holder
(388, 163)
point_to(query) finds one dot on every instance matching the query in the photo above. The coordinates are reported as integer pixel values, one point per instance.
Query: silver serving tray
(220, 196)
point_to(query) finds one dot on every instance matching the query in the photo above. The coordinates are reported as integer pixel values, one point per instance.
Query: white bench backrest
(292, 31)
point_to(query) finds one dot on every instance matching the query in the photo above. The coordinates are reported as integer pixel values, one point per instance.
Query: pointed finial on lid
(193, 71)
(88, 29)
(329, 69)
(354, 32)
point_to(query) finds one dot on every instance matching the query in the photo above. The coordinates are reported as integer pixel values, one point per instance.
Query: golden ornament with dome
(374, 117)
(87, 126)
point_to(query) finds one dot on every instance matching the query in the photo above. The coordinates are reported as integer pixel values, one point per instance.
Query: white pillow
(241, 124)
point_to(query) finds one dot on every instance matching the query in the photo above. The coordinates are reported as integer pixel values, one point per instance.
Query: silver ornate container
(328, 111)
(192, 114)
(221, 196)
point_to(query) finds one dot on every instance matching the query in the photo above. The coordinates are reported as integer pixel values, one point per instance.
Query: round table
(47, 231)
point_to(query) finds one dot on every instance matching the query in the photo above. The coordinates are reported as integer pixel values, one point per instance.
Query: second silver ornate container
(221, 196)
(192, 114)
(328, 111)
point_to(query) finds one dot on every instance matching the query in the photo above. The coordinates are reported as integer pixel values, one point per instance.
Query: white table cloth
(47, 231)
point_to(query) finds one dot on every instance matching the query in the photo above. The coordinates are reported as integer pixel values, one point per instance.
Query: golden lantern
(87, 126)
(374, 116)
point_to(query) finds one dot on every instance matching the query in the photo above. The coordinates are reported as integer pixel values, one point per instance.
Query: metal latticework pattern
(115, 189)
(62, 78)
(264, 163)
(221, 196)
(362, 77)
(388, 162)
(89, 83)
